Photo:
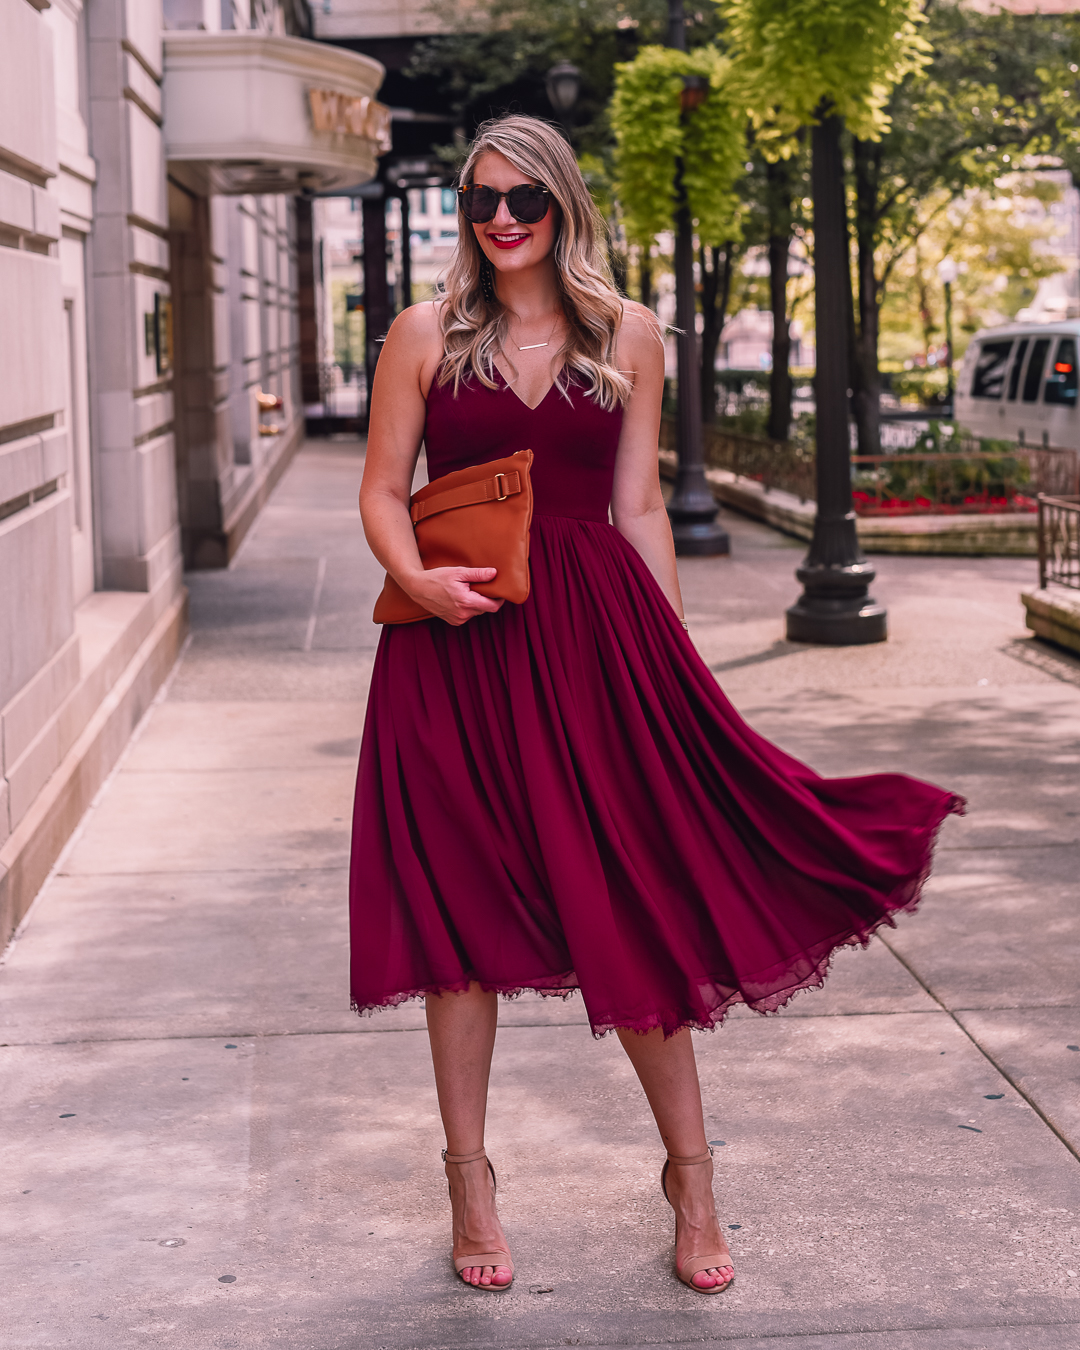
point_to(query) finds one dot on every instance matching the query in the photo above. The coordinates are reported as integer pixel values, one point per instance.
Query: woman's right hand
(448, 593)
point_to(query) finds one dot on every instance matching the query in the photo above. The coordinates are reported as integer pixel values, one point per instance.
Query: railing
(968, 482)
(775, 464)
(977, 478)
(1059, 540)
(343, 402)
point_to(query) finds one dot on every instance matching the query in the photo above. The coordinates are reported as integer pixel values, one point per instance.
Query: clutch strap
(494, 489)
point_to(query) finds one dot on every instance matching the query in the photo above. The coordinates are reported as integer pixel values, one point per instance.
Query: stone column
(132, 403)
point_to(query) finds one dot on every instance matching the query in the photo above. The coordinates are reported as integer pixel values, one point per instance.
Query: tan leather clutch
(476, 517)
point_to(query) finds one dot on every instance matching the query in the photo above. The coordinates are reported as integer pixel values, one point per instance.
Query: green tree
(773, 190)
(657, 146)
(819, 63)
(998, 86)
(661, 152)
(494, 57)
(1003, 243)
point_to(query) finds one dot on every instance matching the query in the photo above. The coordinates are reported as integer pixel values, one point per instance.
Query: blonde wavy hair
(475, 329)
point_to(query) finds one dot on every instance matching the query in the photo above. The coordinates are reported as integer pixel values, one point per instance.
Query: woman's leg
(668, 1073)
(461, 1028)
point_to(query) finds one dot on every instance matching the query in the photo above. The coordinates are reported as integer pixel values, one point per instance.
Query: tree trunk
(710, 332)
(645, 273)
(715, 294)
(616, 257)
(779, 199)
(866, 382)
(779, 427)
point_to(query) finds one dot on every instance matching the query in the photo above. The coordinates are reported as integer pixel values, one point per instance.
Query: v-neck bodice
(573, 441)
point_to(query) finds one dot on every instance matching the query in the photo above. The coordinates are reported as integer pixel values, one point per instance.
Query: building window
(184, 15)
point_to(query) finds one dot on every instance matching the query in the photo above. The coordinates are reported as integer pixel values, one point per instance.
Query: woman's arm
(637, 504)
(407, 365)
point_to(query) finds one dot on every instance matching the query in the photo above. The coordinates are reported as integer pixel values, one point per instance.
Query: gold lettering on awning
(348, 115)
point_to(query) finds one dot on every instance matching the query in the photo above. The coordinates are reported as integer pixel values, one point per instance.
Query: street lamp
(836, 607)
(563, 84)
(692, 509)
(948, 271)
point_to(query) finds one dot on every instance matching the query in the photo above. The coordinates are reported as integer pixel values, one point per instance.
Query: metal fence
(1059, 540)
(786, 465)
(970, 481)
(977, 477)
(775, 464)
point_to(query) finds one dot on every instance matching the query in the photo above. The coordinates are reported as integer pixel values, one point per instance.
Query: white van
(1019, 382)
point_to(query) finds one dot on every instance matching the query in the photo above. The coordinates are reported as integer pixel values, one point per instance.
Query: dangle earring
(487, 281)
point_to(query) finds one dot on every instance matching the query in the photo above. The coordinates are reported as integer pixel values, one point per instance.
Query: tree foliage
(653, 137)
(493, 58)
(802, 58)
(999, 87)
(983, 105)
(1002, 241)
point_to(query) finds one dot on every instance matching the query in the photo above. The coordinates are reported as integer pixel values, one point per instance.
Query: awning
(254, 112)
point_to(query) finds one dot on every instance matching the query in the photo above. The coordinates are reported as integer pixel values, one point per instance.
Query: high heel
(694, 1265)
(494, 1259)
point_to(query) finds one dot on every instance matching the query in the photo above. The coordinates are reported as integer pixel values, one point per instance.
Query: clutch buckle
(501, 489)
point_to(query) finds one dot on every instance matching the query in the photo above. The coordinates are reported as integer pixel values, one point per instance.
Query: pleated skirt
(559, 796)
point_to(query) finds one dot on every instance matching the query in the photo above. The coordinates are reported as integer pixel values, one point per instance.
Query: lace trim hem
(782, 985)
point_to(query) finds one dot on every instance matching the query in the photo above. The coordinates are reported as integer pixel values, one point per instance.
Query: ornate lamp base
(692, 512)
(835, 608)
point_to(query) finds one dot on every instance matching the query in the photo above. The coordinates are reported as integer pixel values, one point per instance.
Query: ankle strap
(688, 1161)
(463, 1157)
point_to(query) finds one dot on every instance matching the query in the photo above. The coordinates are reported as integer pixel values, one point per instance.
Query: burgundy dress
(559, 796)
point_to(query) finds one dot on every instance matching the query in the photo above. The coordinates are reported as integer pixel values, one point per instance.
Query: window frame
(981, 369)
(1067, 381)
(1033, 376)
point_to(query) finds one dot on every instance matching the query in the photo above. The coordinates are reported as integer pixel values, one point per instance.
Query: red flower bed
(868, 505)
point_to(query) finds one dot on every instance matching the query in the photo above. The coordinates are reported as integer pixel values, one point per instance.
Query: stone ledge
(1054, 615)
(36, 842)
(962, 536)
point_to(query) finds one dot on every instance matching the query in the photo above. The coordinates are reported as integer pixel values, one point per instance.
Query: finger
(485, 604)
(475, 574)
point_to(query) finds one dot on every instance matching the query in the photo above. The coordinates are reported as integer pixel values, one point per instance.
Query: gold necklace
(532, 346)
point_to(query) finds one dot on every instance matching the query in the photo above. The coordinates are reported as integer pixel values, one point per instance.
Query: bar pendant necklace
(532, 346)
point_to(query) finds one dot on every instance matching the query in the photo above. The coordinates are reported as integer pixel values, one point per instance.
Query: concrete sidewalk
(202, 1147)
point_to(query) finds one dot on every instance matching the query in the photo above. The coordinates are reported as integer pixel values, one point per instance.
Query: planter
(1054, 615)
(1004, 535)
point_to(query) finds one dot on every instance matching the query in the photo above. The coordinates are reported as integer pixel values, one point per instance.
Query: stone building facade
(156, 280)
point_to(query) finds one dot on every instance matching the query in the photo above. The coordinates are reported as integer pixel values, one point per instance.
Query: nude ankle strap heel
(694, 1265)
(493, 1259)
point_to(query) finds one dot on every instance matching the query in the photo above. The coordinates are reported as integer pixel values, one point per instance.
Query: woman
(556, 795)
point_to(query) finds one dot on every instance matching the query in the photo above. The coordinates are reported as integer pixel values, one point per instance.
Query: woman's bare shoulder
(418, 323)
(637, 317)
(414, 345)
(641, 338)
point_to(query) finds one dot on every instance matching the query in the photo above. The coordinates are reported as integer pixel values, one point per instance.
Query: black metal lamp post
(835, 607)
(563, 84)
(692, 509)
